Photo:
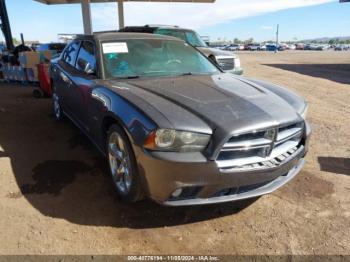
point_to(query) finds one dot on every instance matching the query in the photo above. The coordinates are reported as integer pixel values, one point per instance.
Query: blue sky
(332, 19)
(225, 19)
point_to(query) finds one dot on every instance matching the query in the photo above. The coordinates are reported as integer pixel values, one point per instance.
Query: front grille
(261, 149)
(226, 63)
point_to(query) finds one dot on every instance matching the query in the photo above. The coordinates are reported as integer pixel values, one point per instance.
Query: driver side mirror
(85, 66)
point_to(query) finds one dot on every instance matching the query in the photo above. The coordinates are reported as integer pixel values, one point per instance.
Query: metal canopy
(86, 9)
(56, 2)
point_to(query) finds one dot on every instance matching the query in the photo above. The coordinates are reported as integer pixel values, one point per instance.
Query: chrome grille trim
(288, 133)
(255, 143)
(277, 152)
(266, 164)
(260, 150)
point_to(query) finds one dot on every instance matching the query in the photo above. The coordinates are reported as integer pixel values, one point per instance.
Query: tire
(38, 93)
(122, 165)
(57, 109)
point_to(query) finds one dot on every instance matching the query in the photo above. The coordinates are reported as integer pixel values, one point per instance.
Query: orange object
(44, 78)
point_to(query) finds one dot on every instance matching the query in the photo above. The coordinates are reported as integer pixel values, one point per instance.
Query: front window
(188, 36)
(153, 57)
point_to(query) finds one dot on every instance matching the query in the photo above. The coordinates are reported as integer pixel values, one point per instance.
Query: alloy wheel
(119, 162)
(56, 108)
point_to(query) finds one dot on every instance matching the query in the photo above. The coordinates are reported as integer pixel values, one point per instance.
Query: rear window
(70, 54)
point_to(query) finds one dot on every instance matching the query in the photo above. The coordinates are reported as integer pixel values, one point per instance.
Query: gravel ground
(56, 199)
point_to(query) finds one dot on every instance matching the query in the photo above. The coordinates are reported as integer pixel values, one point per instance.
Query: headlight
(176, 141)
(304, 112)
(237, 62)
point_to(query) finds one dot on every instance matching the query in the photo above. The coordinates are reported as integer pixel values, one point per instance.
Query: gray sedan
(172, 125)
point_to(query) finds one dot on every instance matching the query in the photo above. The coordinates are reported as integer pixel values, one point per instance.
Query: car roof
(113, 35)
(145, 27)
(53, 43)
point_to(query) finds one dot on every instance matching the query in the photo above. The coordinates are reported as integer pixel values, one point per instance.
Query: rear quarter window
(70, 53)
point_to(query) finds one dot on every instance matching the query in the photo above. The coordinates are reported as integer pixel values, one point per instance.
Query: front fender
(110, 105)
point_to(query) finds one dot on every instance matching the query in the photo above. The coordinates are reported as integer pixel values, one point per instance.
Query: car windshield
(153, 57)
(188, 36)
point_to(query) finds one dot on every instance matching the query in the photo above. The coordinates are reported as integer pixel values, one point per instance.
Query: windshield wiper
(187, 74)
(129, 77)
(193, 74)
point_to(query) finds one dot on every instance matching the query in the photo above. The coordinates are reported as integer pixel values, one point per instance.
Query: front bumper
(259, 191)
(163, 176)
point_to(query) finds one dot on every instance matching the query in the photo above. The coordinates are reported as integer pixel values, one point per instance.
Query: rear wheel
(38, 93)
(122, 165)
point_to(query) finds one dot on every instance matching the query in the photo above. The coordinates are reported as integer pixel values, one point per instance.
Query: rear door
(84, 77)
(64, 79)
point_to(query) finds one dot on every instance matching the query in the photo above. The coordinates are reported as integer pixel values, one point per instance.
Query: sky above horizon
(225, 19)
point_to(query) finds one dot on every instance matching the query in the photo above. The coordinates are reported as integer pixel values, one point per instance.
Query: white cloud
(191, 15)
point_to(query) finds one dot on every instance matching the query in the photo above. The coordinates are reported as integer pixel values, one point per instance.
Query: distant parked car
(271, 47)
(291, 47)
(342, 47)
(282, 47)
(322, 47)
(58, 47)
(274, 47)
(253, 47)
(233, 47)
(256, 47)
(300, 46)
(313, 47)
(307, 47)
(227, 61)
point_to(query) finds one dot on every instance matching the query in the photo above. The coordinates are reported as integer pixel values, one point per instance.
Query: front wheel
(122, 165)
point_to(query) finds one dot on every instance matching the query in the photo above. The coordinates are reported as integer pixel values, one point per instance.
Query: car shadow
(61, 174)
(337, 165)
(3, 154)
(334, 72)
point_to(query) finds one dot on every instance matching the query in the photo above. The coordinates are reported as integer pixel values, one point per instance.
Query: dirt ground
(56, 199)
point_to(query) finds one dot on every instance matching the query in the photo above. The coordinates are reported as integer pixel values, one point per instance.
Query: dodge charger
(172, 125)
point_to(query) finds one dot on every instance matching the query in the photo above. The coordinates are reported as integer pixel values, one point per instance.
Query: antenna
(277, 32)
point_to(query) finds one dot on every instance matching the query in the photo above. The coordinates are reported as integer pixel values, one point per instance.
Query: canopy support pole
(86, 13)
(121, 14)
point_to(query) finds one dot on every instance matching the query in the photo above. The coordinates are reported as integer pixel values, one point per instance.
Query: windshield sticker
(109, 48)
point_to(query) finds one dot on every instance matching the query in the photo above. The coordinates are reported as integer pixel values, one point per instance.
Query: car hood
(227, 104)
(216, 52)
